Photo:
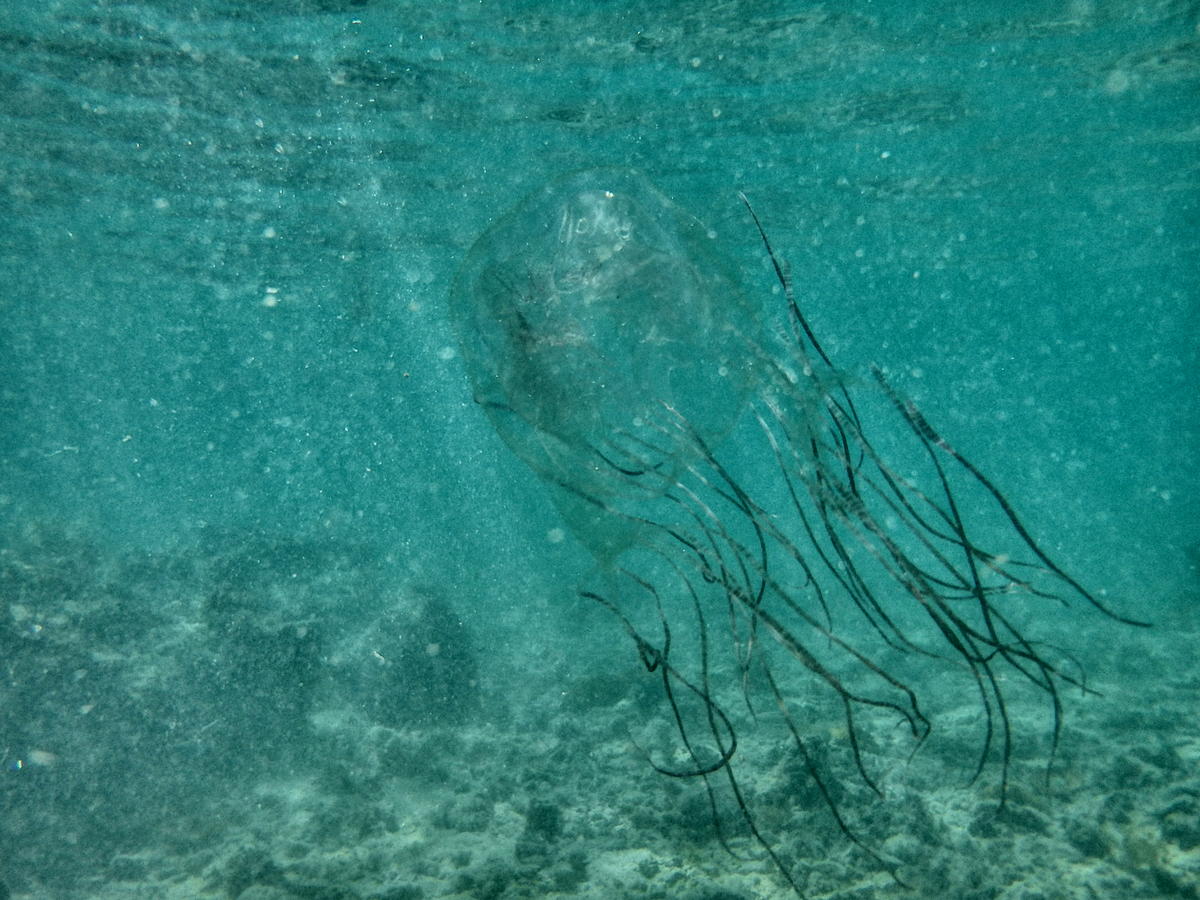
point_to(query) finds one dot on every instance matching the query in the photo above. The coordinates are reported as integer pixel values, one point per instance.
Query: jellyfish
(767, 528)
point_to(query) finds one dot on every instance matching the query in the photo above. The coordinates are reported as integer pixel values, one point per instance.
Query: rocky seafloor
(265, 719)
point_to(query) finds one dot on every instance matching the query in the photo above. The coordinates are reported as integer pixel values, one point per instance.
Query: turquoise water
(283, 614)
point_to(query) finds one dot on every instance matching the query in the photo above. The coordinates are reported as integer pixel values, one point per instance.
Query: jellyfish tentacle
(656, 659)
(921, 426)
(814, 774)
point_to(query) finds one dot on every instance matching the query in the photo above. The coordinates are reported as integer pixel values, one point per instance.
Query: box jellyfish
(732, 484)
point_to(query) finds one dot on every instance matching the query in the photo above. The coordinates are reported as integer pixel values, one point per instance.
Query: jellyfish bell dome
(590, 316)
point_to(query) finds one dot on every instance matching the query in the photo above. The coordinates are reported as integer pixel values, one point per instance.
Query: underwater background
(281, 616)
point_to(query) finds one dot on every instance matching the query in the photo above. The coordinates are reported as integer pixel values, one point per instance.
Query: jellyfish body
(583, 314)
(613, 351)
